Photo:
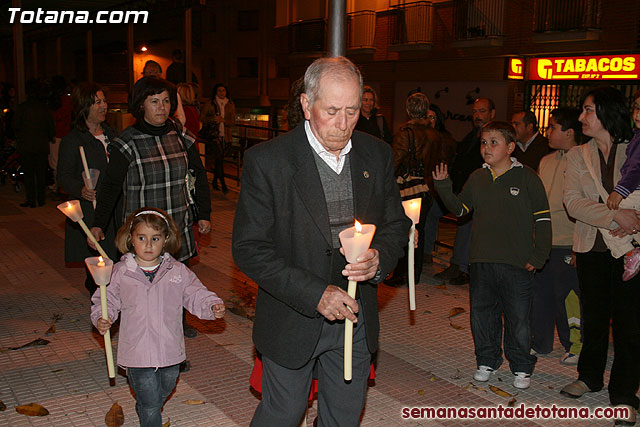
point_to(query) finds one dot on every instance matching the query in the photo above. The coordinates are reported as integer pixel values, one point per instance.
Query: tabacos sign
(605, 67)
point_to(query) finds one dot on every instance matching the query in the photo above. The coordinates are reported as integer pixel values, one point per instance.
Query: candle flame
(100, 259)
(358, 227)
(101, 262)
(68, 205)
(413, 204)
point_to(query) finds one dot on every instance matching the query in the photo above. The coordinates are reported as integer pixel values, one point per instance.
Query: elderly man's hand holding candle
(366, 267)
(334, 302)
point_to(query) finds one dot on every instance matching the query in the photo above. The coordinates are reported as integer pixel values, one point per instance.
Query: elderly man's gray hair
(336, 67)
(417, 106)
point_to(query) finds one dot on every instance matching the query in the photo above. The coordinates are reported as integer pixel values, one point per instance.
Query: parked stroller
(11, 167)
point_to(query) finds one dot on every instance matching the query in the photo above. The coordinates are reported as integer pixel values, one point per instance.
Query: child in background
(510, 238)
(556, 300)
(150, 288)
(628, 184)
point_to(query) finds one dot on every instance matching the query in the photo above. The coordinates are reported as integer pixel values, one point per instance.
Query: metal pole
(337, 28)
(18, 56)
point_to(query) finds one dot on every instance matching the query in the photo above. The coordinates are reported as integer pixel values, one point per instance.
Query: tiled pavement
(423, 359)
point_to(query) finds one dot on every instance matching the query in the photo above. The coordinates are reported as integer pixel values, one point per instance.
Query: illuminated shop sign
(515, 69)
(606, 67)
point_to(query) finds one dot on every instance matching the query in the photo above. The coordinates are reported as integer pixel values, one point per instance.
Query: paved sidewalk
(425, 358)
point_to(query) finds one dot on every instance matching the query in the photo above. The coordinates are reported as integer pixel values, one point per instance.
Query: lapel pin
(366, 174)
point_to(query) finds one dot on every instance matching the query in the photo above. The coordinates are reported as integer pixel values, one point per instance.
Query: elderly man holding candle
(299, 191)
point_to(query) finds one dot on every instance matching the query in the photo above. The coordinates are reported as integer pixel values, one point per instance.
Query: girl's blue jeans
(152, 387)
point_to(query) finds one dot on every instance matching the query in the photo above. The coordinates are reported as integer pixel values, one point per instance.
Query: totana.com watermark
(42, 16)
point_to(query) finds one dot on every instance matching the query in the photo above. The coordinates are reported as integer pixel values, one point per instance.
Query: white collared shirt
(526, 145)
(336, 164)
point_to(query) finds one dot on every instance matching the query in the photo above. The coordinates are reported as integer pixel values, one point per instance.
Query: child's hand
(103, 325)
(440, 172)
(218, 310)
(614, 200)
(529, 267)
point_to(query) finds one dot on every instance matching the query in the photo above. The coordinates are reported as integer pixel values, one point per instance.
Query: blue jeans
(496, 289)
(152, 387)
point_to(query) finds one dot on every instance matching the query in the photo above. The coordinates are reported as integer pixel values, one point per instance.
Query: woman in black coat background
(90, 132)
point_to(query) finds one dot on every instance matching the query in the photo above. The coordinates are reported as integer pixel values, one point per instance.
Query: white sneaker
(483, 373)
(521, 380)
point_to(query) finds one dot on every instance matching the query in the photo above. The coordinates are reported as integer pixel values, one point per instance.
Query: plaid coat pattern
(156, 178)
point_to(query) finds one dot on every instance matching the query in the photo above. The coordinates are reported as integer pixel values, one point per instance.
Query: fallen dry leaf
(194, 402)
(34, 343)
(433, 378)
(441, 286)
(51, 330)
(457, 375)
(3, 407)
(478, 388)
(421, 392)
(454, 326)
(455, 311)
(512, 402)
(32, 410)
(167, 424)
(115, 416)
(499, 391)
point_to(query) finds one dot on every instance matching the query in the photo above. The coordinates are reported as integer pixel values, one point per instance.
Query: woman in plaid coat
(148, 164)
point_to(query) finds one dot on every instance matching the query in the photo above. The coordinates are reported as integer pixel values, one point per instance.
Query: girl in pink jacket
(150, 288)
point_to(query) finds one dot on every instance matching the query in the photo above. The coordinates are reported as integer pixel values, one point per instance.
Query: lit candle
(355, 241)
(412, 210)
(100, 268)
(73, 210)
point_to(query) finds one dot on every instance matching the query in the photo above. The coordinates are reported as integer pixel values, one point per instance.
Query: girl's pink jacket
(151, 332)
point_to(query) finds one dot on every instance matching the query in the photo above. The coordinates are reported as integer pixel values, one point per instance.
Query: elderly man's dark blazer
(282, 238)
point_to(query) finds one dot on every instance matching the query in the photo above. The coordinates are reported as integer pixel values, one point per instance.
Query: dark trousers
(34, 166)
(152, 387)
(285, 391)
(214, 158)
(605, 297)
(462, 243)
(556, 305)
(495, 289)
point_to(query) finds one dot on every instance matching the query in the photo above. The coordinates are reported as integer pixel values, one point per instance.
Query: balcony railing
(361, 30)
(478, 19)
(412, 23)
(306, 36)
(566, 15)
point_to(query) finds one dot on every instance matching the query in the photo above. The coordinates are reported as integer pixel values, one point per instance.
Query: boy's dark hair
(505, 129)
(148, 86)
(612, 109)
(168, 228)
(567, 118)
